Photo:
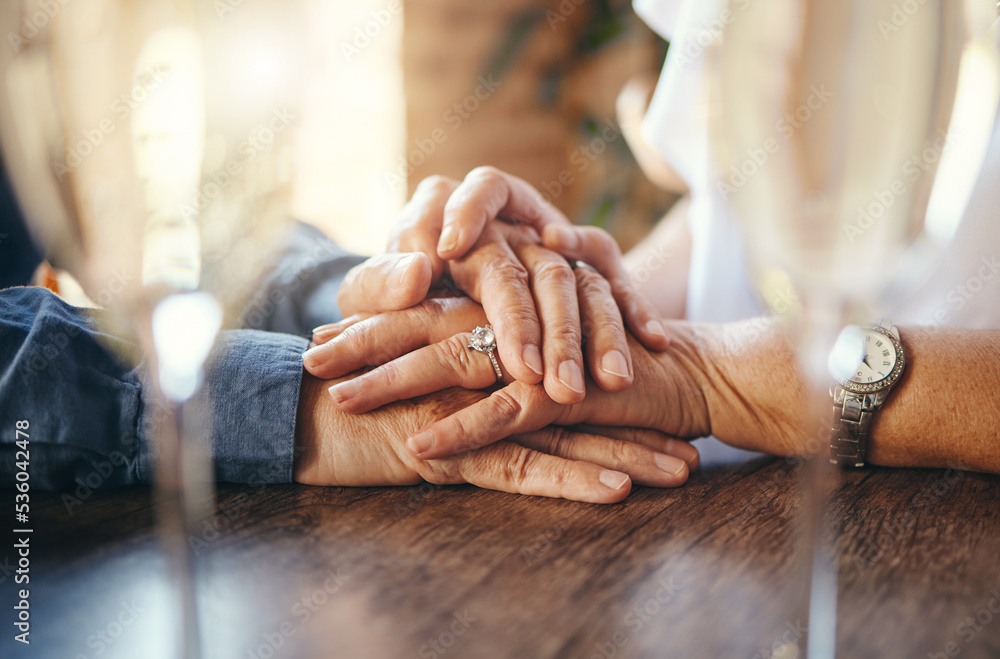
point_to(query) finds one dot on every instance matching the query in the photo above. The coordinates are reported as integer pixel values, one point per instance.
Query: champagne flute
(823, 104)
(118, 119)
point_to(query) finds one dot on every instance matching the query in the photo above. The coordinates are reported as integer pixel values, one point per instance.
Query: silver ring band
(484, 340)
(575, 265)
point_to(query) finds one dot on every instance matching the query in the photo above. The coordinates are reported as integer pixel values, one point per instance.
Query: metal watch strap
(852, 418)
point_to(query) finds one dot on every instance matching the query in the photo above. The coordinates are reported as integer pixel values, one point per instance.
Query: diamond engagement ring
(484, 340)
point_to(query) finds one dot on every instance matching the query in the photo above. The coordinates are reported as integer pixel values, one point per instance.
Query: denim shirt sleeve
(91, 423)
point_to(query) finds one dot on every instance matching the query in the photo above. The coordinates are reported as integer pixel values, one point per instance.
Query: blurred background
(413, 88)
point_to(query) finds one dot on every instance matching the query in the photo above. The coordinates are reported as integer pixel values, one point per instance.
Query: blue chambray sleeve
(91, 424)
(250, 397)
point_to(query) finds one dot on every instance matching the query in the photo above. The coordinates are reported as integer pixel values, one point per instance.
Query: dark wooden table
(706, 570)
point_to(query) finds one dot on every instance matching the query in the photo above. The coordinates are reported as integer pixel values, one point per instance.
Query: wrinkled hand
(334, 448)
(424, 349)
(529, 292)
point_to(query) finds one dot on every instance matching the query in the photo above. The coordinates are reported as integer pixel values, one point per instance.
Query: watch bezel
(887, 381)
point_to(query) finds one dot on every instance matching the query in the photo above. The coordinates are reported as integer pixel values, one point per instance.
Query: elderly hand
(530, 294)
(734, 381)
(592, 465)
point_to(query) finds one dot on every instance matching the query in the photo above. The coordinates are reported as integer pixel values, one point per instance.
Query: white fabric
(965, 290)
(719, 288)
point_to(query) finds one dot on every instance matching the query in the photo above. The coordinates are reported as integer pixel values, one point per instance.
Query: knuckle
(385, 377)
(427, 316)
(554, 271)
(351, 281)
(518, 324)
(355, 338)
(620, 452)
(454, 353)
(464, 434)
(437, 472)
(507, 270)
(559, 441)
(486, 174)
(436, 184)
(505, 404)
(452, 349)
(590, 283)
(518, 467)
(569, 332)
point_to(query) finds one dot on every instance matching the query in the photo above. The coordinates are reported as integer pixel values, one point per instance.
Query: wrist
(751, 385)
(313, 416)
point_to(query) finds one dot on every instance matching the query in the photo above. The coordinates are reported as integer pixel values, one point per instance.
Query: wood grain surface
(707, 570)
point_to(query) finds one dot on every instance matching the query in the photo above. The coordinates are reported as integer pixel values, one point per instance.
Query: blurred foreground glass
(150, 145)
(846, 140)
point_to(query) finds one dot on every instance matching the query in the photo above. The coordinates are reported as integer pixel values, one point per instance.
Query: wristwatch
(865, 363)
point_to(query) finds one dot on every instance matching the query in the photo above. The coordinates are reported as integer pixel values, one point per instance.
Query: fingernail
(567, 237)
(344, 391)
(420, 443)
(656, 327)
(324, 335)
(311, 354)
(396, 279)
(684, 451)
(571, 376)
(668, 463)
(613, 479)
(614, 363)
(532, 357)
(449, 239)
(324, 328)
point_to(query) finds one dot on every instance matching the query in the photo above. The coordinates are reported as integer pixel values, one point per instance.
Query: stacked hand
(541, 312)
(410, 317)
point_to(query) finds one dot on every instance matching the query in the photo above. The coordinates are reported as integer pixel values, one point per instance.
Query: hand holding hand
(531, 296)
(736, 381)
(334, 448)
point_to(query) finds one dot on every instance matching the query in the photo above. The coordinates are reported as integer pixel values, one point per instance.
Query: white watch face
(866, 359)
(877, 358)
